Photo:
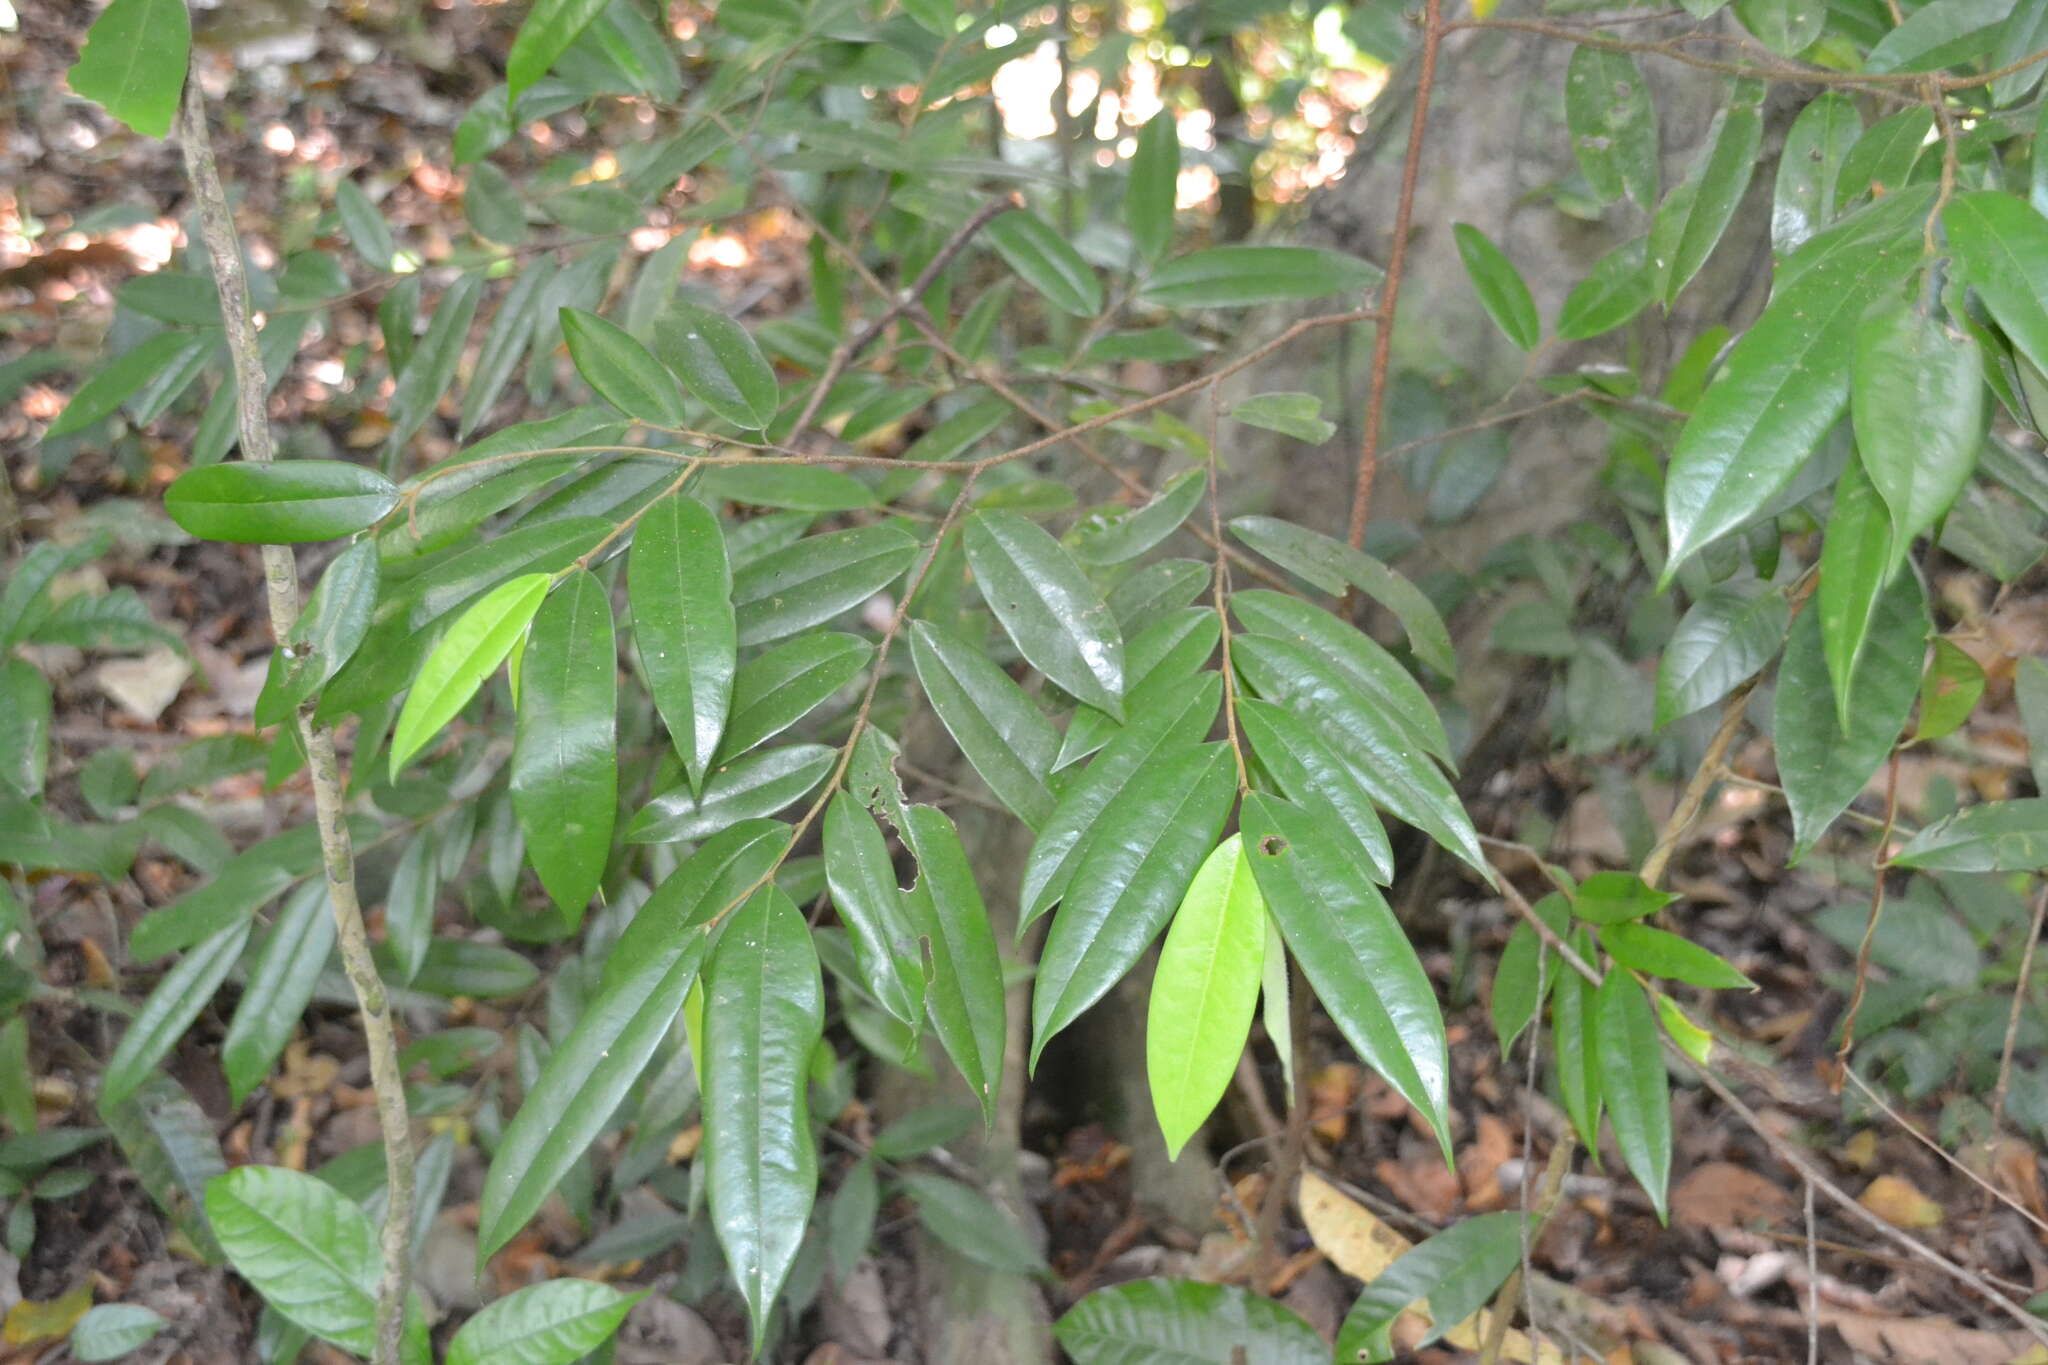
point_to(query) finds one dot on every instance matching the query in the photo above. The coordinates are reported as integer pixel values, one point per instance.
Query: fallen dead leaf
(1859, 1153)
(1720, 1194)
(1426, 1186)
(1899, 1202)
(144, 687)
(1925, 1341)
(1331, 1092)
(1480, 1162)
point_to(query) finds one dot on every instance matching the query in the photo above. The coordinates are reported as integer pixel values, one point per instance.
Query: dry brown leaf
(1331, 1092)
(1927, 1341)
(1479, 1164)
(1720, 1194)
(1426, 1186)
(1899, 1202)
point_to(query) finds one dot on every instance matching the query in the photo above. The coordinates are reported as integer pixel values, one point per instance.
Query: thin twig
(1863, 949)
(1812, 1284)
(1547, 1203)
(280, 572)
(2012, 1020)
(1899, 1120)
(1703, 778)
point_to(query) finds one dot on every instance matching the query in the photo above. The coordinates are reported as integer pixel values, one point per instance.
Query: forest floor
(1750, 1264)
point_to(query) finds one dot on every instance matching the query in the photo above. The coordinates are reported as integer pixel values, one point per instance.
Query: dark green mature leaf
(1499, 285)
(1134, 868)
(1787, 379)
(764, 1010)
(1203, 993)
(1637, 945)
(964, 996)
(621, 370)
(1575, 1036)
(1884, 156)
(134, 62)
(493, 206)
(969, 1222)
(1173, 647)
(170, 1009)
(366, 229)
(2030, 691)
(1185, 1322)
(256, 874)
(470, 652)
(1029, 245)
(1632, 1080)
(1855, 563)
(553, 1323)
(802, 487)
(1352, 950)
(1613, 124)
(1457, 1271)
(336, 619)
(781, 687)
(1619, 286)
(1917, 399)
(1242, 276)
(280, 986)
(755, 785)
(410, 905)
(1943, 33)
(1151, 190)
(1131, 536)
(565, 767)
(1166, 716)
(432, 368)
(1334, 567)
(461, 966)
(1049, 608)
(1822, 766)
(817, 578)
(279, 504)
(1949, 690)
(1998, 836)
(1723, 639)
(1160, 587)
(505, 343)
(25, 603)
(862, 878)
(649, 972)
(1786, 27)
(720, 363)
(2001, 250)
(2024, 33)
(168, 1141)
(304, 1246)
(1690, 222)
(1524, 978)
(1810, 169)
(120, 378)
(680, 584)
(550, 27)
(1311, 775)
(999, 729)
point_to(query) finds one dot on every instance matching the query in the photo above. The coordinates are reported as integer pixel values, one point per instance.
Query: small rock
(660, 1331)
(144, 687)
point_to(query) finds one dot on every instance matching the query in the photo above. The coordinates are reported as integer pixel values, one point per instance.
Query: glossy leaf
(776, 690)
(1243, 276)
(1617, 898)
(1049, 608)
(279, 504)
(1575, 1039)
(817, 578)
(1523, 979)
(1613, 124)
(1352, 950)
(999, 729)
(1203, 993)
(469, 653)
(862, 878)
(1619, 286)
(1998, 836)
(1657, 953)
(1499, 285)
(2001, 251)
(764, 1012)
(719, 362)
(1176, 646)
(1884, 156)
(1335, 567)
(754, 785)
(1457, 1271)
(280, 986)
(122, 378)
(1917, 399)
(801, 487)
(1128, 537)
(1810, 169)
(1786, 27)
(550, 27)
(1132, 871)
(965, 994)
(556, 1322)
(1633, 1083)
(1855, 563)
(336, 619)
(1689, 226)
(1821, 766)
(1723, 640)
(304, 1246)
(431, 369)
(621, 370)
(505, 342)
(1949, 690)
(564, 776)
(2024, 32)
(1044, 260)
(1311, 775)
(1151, 191)
(1942, 33)
(680, 584)
(134, 62)
(1185, 1322)
(184, 991)
(966, 1221)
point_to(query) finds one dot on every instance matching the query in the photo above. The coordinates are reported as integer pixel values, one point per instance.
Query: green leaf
(1134, 868)
(460, 966)
(1163, 586)
(1787, 379)
(1125, 539)
(595, 1067)
(1049, 608)
(1203, 993)
(1619, 286)
(1855, 564)
(680, 584)
(1916, 396)
(1499, 285)
(1029, 245)
(1822, 766)
(1613, 124)
(304, 1246)
(168, 1141)
(1457, 1271)
(2024, 33)
(1352, 950)
(967, 1221)
(1152, 188)
(965, 994)
(1165, 716)
(1723, 640)
(850, 1218)
(720, 363)
(801, 487)
(112, 1330)
(554, 1323)
(1185, 1322)
(1998, 836)
(469, 653)
(1176, 646)
(280, 986)
(170, 1009)
(1884, 156)
(409, 907)
(1244, 276)
(505, 343)
(1786, 27)
(2030, 690)
(337, 617)
(1658, 953)
(1949, 690)
(1334, 566)
(755, 785)
(493, 206)
(862, 879)
(134, 62)
(817, 578)
(25, 710)
(621, 370)
(1944, 33)
(365, 227)
(565, 767)
(550, 27)
(279, 504)
(764, 1011)
(999, 729)
(120, 379)
(1689, 225)
(1311, 775)
(1632, 1080)
(1810, 169)
(1523, 978)
(776, 690)
(1617, 898)
(432, 368)
(1575, 1040)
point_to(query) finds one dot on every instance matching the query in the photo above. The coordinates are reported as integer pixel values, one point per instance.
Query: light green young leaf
(1149, 193)
(1998, 836)
(1633, 1083)
(564, 775)
(170, 1009)
(964, 995)
(1030, 246)
(1185, 1322)
(1916, 395)
(1456, 1271)
(1245, 276)
(111, 1330)
(279, 504)
(1499, 285)
(304, 1246)
(999, 729)
(720, 363)
(621, 370)
(550, 27)
(134, 62)
(680, 584)
(1657, 953)
(1177, 646)
(1203, 992)
(1856, 562)
(469, 653)
(1049, 608)
(557, 1322)
(120, 378)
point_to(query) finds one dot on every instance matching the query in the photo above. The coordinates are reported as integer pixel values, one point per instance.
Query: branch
(281, 578)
